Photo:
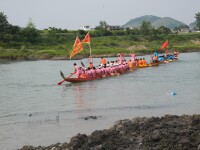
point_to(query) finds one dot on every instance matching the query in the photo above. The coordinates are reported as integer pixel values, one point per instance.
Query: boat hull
(76, 80)
(148, 65)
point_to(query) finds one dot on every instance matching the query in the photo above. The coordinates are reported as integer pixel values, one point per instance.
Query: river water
(35, 111)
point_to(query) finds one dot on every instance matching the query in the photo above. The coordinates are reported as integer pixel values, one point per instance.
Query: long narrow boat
(76, 80)
(149, 65)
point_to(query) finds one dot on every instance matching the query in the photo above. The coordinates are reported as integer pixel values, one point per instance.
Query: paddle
(63, 76)
(83, 65)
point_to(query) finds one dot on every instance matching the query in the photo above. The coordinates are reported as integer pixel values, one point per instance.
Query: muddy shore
(154, 133)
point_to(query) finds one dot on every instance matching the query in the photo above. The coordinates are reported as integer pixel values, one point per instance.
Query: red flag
(164, 45)
(86, 39)
(77, 47)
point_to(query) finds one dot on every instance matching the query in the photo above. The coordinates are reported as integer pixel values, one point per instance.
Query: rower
(137, 62)
(144, 62)
(111, 63)
(103, 61)
(132, 57)
(83, 74)
(140, 62)
(89, 73)
(116, 63)
(91, 65)
(155, 57)
(108, 64)
(121, 58)
(130, 64)
(103, 71)
(77, 70)
(93, 72)
(107, 70)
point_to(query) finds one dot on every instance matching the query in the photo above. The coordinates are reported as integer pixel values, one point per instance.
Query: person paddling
(144, 62)
(77, 70)
(121, 58)
(103, 61)
(130, 64)
(91, 65)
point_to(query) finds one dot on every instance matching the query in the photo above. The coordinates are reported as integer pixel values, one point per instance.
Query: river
(35, 111)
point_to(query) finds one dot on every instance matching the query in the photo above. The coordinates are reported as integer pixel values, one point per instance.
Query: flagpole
(87, 40)
(90, 53)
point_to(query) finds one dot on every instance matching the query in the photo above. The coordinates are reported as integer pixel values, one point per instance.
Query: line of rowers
(107, 68)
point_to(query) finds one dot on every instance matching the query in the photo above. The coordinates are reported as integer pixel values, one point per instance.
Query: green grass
(111, 45)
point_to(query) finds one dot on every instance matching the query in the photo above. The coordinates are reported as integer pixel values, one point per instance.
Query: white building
(86, 28)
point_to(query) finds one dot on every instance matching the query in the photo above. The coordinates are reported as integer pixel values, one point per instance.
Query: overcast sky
(72, 14)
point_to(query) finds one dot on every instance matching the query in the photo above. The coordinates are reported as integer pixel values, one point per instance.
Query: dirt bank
(155, 133)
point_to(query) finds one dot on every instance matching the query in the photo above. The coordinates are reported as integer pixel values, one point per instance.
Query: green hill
(137, 21)
(167, 22)
(155, 21)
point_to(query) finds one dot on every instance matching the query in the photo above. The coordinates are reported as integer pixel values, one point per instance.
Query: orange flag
(77, 47)
(164, 45)
(86, 39)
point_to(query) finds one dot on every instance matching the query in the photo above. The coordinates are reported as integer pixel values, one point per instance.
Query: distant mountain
(155, 21)
(137, 21)
(193, 24)
(167, 22)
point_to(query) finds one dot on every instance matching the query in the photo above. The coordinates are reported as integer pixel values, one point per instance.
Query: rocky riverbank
(155, 133)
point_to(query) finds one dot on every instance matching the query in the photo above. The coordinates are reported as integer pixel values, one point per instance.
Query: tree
(176, 30)
(145, 28)
(30, 33)
(102, 26)
(3, 22)
(30, 24)
(12, 33)
(163, 30)
(82, 32)
(197, 16)
(3, 25)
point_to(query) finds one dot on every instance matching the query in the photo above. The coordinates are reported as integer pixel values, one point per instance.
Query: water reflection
(78, 92)
(81, 92)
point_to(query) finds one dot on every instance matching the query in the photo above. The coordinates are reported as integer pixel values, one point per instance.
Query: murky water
(35, 111)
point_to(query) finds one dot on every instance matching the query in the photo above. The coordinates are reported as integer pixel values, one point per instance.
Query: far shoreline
(79, 57)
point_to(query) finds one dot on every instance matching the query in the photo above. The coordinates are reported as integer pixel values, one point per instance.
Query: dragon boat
(76, 80)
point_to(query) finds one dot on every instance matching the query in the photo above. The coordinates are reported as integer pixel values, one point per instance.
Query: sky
(73, 14)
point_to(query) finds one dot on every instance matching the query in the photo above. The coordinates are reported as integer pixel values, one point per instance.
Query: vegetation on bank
(107, 45)
(30, 43)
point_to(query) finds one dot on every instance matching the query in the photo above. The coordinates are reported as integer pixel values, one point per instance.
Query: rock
(27, 147)
(196, 121)
(122, 132)
(117, 122)
(98, 147)
(156, 136)
(63, 145)
(119, 127)
(90, 117)
(167, 132)
(53, 148)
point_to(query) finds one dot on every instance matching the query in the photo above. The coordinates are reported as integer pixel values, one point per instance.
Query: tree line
(12, 35)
